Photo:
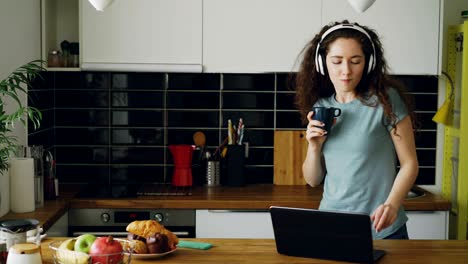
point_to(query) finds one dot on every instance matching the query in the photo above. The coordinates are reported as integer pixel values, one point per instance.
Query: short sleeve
(398, 106)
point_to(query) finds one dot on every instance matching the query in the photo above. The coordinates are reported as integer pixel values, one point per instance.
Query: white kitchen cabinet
(427, 224)
(257, 224)
(233, 224)
(409, 31)
(257, 35)
(143, 35)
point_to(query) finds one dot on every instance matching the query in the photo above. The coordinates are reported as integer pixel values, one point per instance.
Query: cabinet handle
(150, 67)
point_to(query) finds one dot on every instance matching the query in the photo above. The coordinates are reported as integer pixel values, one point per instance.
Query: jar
(27, 253)
(53, 60)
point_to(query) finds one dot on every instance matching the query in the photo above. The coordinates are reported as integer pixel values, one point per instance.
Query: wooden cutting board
(290, 148)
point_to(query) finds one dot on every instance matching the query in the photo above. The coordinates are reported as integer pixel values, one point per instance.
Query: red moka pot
(182, 155)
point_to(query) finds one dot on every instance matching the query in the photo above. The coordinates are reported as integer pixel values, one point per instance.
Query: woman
(344, 67)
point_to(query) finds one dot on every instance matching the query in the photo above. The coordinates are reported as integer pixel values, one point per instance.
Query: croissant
(146, 228)
(139, 247)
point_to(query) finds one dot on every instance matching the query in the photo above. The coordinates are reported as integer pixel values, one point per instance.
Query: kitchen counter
(261, 251)
(250, 197)
(47, 215)
(254, 197)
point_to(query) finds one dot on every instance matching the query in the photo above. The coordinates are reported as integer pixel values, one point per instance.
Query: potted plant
(11, 89)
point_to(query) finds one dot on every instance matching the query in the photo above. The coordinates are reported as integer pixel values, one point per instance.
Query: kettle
(15, 231)
(182, 155)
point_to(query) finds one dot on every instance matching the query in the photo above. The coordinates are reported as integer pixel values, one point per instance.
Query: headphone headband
(320, 64)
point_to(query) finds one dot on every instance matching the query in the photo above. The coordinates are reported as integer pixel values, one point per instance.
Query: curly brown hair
(310, 85)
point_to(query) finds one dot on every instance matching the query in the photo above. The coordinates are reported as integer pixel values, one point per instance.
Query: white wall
(20, 31)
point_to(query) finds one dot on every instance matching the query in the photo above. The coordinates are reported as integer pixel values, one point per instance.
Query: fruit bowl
(67, 256)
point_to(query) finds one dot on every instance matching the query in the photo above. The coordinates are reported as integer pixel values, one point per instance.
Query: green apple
(83, 243)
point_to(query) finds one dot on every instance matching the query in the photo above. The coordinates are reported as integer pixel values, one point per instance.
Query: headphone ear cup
(320, 67)
(371, 64)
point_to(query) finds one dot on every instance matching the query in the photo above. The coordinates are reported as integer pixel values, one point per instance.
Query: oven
(103, 222)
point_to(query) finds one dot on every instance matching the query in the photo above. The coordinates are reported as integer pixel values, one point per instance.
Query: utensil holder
(233, 166)
(37, 152)
(212, 173)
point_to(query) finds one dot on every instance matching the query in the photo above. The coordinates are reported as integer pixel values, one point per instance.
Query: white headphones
(320, 62)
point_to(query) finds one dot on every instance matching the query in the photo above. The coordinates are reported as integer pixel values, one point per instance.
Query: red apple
(106, 250)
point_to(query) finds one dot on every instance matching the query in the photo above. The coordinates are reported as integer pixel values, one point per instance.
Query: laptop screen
(322, 234)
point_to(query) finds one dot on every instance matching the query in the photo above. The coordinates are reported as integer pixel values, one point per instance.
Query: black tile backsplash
(82, 117)
(194, 81)
(193, 100)
(114, 127)
(81, 99)
(137, 81)
(248, 100)
(138, 118)
(137, 136)
(137, 173)
(81, 136)
(250, 82)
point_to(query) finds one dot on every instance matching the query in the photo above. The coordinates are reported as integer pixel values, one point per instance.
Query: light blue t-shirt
(360, 159)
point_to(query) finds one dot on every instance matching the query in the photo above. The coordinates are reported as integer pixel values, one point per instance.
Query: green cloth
(193, 244)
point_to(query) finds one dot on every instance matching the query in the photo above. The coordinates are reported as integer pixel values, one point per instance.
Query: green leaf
(16, 83)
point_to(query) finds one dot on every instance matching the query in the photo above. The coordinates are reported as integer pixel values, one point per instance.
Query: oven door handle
(122, 234)
(115, 234)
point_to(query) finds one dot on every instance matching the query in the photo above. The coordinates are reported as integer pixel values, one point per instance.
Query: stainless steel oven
(102, 222)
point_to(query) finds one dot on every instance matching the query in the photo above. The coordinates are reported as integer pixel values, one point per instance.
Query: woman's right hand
(315, 135)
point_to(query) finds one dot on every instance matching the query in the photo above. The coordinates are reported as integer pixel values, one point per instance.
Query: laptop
(323, 234)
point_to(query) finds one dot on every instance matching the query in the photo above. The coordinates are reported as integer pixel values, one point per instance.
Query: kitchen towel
(193, 244)
(22, 185)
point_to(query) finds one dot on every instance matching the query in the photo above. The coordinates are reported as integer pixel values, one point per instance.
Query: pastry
(145, 229)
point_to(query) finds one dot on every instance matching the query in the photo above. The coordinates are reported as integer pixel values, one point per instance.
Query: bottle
(65, 46)
(74, 54)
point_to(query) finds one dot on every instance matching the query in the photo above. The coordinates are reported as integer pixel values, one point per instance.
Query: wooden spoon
(199, 139)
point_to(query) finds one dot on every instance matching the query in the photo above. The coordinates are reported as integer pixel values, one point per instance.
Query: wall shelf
(63, 69)
(59, 22)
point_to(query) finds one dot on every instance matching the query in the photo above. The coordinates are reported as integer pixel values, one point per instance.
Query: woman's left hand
(384, 216)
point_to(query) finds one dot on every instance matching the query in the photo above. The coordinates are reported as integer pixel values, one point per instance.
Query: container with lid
(26, 253)
(54, 59)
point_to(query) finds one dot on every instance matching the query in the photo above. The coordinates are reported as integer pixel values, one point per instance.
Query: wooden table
(260, 251)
